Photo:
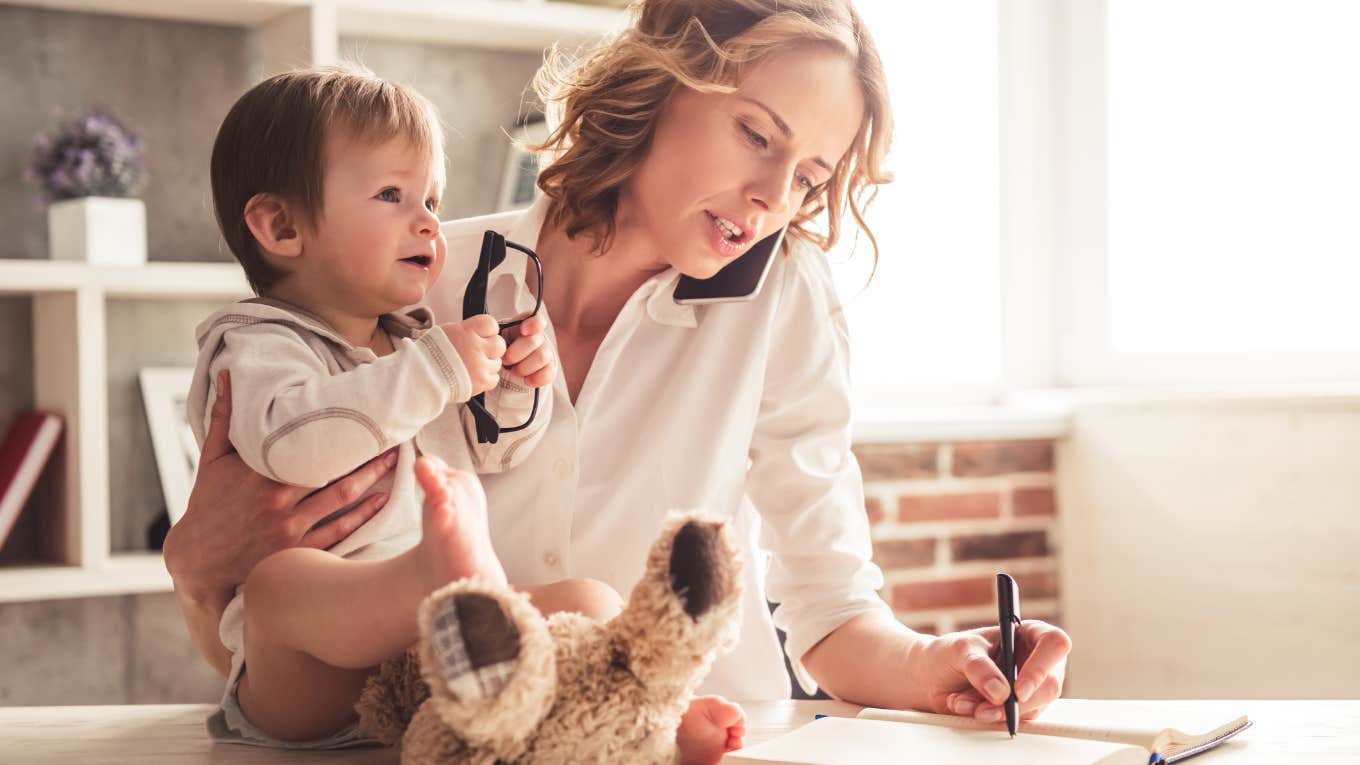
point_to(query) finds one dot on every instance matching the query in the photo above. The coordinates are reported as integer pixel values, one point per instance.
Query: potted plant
(89, 169)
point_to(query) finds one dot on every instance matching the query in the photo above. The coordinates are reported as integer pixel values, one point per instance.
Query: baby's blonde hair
(605, 105)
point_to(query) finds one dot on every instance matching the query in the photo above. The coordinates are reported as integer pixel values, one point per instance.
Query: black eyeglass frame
(492, 255)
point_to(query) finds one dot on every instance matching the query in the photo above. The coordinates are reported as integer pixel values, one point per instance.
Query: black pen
(1008, 616)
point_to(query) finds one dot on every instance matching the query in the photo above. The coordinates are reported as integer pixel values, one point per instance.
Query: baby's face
(377, 245)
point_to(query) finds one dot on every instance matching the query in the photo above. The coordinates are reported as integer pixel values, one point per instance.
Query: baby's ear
(273, 225)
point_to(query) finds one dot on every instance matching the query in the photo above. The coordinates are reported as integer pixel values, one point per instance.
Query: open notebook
(1078, 736)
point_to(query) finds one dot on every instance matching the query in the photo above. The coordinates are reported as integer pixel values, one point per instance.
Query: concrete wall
(1211, 549)
(173, 82)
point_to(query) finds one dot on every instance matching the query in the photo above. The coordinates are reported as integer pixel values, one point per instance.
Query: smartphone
(739, 280)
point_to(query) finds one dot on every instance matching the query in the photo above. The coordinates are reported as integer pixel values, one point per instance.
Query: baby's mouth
(420, 260)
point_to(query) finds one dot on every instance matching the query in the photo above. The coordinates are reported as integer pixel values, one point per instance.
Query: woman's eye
(754, 137)
(389, 195)
(805, 182)
(431, 204)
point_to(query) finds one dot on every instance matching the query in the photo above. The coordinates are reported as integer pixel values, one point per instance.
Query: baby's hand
(481, 347)
(710, 727)
(529, 357)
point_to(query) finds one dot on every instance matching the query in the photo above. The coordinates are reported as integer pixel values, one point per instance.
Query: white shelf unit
(69, 300)
(292, 26)
(70, 373)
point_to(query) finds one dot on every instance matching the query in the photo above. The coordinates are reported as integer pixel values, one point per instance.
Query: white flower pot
(104, 231)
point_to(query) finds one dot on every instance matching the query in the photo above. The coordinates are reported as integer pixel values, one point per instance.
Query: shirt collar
(661, 307)
(526, 226)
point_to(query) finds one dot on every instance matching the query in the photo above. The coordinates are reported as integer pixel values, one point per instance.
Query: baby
(326, 185)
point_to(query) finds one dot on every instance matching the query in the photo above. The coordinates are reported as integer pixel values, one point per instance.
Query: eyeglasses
(478, 300)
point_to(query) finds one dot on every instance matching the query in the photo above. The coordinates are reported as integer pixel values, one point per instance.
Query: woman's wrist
(201, 597)
(916, 663)
(871, 660)
(190, 588)
(202, 610)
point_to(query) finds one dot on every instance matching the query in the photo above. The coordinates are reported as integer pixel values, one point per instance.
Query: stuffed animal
(503, 685)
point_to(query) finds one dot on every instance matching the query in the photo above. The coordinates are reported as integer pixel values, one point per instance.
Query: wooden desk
(1282, 731)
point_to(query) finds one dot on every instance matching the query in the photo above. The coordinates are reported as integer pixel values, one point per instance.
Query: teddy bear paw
(477, 645)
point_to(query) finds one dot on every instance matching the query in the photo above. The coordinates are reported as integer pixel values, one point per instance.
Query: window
(1230, 186)
(927, 328)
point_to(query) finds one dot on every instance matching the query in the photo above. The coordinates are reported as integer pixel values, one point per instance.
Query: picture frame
(165, 393)
(519, 179)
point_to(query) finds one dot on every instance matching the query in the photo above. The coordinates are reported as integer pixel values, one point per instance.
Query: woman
(708, 126)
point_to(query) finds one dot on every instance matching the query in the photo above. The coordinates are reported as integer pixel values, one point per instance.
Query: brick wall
(946, 517)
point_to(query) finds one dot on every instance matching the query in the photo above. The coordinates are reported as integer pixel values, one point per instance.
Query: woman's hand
(237, 517)
(529, 356)
(959, 672)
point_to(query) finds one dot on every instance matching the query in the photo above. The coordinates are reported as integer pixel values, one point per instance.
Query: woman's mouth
(726, 237)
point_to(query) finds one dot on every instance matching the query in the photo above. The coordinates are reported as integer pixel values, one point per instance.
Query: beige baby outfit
(308, 407)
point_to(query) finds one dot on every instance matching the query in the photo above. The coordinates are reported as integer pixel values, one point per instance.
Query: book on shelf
(1084, 733)
(27, 447)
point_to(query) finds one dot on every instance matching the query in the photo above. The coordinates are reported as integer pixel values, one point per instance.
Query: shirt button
(550, 558)
(562, 468)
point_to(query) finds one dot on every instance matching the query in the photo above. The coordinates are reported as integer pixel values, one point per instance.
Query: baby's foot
(455, 541)
(710, 727)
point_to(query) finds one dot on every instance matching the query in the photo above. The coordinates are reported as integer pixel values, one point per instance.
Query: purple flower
(94, 155)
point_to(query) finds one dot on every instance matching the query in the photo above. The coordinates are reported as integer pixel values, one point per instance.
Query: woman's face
(725, 171)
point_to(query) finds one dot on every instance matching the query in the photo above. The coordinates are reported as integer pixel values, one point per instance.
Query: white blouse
(739, 409)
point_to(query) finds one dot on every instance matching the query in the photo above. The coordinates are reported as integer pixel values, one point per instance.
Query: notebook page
(1094, 731)
(852, 741)
(1148, 724)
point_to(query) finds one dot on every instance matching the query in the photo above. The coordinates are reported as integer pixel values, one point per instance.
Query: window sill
(1048, 413)
(999, 422)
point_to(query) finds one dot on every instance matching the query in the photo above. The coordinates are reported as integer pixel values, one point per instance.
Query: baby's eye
(389, 195)
(755, 138)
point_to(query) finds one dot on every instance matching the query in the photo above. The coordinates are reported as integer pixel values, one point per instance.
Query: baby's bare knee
(590, 597)
(598, 600)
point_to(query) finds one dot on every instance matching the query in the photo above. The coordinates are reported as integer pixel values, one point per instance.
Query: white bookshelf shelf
(503, 24)
(513, 24)
(170, 280)
(117, 575)
(70, 377)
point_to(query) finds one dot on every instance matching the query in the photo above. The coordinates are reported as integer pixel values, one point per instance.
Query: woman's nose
(773, 191)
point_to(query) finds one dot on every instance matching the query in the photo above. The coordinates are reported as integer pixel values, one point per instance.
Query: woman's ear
(273, 225)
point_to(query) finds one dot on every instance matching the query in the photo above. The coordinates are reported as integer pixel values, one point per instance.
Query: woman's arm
(236, 518)
(875, 661)
(808, 488)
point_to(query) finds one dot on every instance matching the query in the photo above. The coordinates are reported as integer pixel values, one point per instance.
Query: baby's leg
(710, 727)
(591, 597)
(316, 625)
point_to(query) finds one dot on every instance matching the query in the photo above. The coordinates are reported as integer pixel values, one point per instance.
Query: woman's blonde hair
(604, 106)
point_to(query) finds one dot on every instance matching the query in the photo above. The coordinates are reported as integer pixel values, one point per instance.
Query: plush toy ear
(476, 643)
(490, 664)
(696, 554)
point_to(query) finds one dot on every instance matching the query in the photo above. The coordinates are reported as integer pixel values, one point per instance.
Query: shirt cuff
(797, 642)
